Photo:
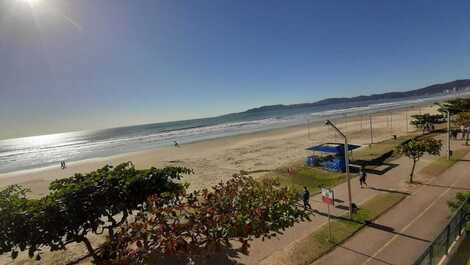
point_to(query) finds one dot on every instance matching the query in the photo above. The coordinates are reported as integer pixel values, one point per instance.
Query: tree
(426, 120)
(205, 222)
(79, 205)
(13, 206)
(415, 149)
(456, 106)
(463, 119)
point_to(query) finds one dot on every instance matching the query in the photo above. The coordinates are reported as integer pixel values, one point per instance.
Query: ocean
(45, 150)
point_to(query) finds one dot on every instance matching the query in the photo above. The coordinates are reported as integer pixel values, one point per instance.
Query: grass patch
(438, 166)
(318, 243)
(313, 178)
(377, 150)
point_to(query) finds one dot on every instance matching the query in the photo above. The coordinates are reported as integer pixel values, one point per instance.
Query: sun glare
(31, 3)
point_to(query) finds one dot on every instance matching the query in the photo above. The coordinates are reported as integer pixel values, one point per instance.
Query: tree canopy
(456, 106)
(415, 149)
(79, 205)
(425, 120)
(207, 221)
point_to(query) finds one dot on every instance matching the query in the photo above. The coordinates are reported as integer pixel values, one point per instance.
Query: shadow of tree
(223, 257)
(442, 186)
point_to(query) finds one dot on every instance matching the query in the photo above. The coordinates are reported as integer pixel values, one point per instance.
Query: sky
(69, 65)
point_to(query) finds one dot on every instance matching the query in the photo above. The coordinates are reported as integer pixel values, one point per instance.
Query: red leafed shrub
(205, 222)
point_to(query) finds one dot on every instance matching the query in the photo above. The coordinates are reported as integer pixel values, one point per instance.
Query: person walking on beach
(176, 144)
(62, 164)
(363, 177)
(306, 198)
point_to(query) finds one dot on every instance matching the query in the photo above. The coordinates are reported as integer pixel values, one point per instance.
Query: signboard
(328, 196)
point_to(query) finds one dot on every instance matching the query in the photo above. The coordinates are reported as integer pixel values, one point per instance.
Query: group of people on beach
(464, 132)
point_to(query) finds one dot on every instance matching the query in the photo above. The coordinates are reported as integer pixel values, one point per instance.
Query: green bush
(462, 198)
(79, 205)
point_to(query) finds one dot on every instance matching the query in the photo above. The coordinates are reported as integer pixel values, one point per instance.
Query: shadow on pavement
(392, 231)
(342, 207)
(388, 167)
(226, 257)
(390, 191)
(366, 255)
(377, 226)
(443, 186)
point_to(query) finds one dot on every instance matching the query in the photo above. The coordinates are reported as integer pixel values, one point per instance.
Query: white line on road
(412, 222)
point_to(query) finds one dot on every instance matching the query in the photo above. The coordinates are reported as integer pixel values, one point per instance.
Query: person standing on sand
(306, 198)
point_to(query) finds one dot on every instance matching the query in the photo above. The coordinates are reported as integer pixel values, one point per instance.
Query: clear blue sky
(85, 64)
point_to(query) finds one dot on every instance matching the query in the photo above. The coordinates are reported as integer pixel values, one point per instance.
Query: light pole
(371, 133)
(449, 152)
(406, 120)
(346, 160)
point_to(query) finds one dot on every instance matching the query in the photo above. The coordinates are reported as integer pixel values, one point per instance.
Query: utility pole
(449, 151)
(448, 136)
(406, 120)
(370, 126)
(346, 160)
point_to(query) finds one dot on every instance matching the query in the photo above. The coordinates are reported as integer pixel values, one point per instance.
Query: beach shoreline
(218, 159)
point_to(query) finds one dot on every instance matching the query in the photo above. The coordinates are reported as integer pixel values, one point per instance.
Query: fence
(440, 246)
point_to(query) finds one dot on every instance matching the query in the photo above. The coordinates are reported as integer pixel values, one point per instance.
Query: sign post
(328, 197)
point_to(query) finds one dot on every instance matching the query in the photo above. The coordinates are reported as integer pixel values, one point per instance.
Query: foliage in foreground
(79, 205)
(415, 149)
(462, 198)
(202, 223)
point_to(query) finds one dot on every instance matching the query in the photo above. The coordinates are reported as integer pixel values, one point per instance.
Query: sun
(31, 3)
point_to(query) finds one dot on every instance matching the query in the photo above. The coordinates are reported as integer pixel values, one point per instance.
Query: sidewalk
(274, 251)
(401, 235)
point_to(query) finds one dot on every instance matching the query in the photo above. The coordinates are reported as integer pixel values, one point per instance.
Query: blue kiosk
(329, 156)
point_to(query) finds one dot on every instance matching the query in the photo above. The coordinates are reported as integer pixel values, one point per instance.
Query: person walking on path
(306, 198)
(363, 177)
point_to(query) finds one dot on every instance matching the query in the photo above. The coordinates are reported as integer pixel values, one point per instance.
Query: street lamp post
(449, 151)
(346, 160)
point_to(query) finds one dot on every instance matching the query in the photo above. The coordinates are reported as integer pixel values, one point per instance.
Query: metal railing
(440, 246)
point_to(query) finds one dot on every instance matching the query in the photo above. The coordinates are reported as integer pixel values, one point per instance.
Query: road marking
(412, 222)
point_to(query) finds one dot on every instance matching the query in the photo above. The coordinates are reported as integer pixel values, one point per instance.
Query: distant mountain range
(436, 89)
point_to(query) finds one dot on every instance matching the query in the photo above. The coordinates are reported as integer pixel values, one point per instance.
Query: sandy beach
(217, 159)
